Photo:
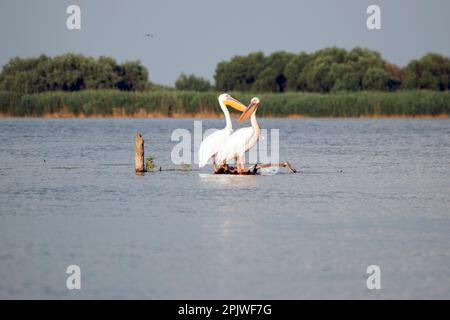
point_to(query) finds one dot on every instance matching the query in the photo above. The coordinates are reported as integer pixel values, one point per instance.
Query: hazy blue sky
(193, 36)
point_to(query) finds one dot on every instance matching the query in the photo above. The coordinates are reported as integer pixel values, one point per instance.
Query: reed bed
(108, 103)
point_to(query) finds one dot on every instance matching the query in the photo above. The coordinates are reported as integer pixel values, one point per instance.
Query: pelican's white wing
(211, 145)
(236, 145)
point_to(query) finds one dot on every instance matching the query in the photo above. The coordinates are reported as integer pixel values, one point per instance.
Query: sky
(192, 36)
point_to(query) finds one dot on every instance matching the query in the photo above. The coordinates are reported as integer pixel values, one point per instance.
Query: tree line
(71, 72)
(327, 70)
(330, 70)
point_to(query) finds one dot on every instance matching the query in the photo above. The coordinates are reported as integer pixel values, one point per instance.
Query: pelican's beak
(248, 112)
(235, 104)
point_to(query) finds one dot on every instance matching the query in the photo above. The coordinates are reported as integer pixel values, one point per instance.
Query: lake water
(369, 192)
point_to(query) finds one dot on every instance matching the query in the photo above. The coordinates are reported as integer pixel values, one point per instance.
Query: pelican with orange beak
(241, 140)
(211, 145)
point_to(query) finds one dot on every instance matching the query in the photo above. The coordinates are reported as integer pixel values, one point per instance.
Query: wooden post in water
(139, 153)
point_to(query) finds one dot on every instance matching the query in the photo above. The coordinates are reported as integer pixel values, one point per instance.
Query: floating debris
(149, 164)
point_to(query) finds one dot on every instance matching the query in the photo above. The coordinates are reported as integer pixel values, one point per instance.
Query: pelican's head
(227, 100)
(251, 109)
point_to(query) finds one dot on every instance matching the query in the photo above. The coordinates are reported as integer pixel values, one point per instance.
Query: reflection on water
(225, 181)
(368, 192)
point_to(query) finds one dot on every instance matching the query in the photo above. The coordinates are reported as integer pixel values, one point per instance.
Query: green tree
(272, 77)
(132, 76)
(432, 71)
(24, 75)
(100, 74)
(318, 72)
(240, 72)
(345, 79)
(64, 72)
(71, 72)
(375, 79)
(191, 82)
(294, 70)
(329, 69)
(396, 75)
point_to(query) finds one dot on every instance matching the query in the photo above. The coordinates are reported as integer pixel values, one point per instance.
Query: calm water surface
(368, 192)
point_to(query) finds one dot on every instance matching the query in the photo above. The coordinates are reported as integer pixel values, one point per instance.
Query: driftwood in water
(139, 165)
(227, 169)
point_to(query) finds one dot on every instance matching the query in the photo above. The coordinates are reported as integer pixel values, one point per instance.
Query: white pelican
(241, 140)
(212, 143)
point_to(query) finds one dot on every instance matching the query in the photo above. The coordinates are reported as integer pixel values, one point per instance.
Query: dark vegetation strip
(186, 103)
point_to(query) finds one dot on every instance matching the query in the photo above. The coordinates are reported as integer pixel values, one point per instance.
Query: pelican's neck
(255, 125)
(229, 125)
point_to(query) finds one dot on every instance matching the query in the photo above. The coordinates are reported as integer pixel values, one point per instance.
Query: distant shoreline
(65, 115)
